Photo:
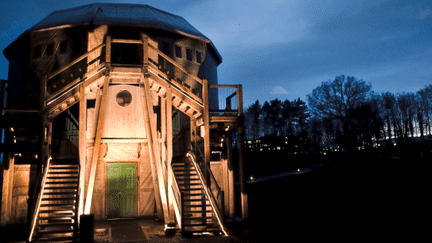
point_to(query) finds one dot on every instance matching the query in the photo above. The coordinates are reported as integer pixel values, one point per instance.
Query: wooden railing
(214, 186)
(175, 196)
(39, 200)
(208, 193)
(228, 107)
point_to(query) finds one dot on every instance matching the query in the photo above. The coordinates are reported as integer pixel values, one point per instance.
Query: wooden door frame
(136, 163)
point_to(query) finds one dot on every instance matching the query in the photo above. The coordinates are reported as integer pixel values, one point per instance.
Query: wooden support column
(169, 125)
(169, 151)
(164, 134)
(108, 50)
(231, 188)
(152, 161)
(242, 177)
(206, 115)
(153, 145)
(82, 147)
(98, 139)
(193, 134)
(7, 189)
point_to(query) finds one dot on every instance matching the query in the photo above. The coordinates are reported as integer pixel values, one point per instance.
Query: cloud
(278, 90)
(424, 13)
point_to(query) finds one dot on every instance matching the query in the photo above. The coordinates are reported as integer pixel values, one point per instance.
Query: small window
(124, 98)
(166, 48)
(178, 51)
(63, 47)
(198, 57)
(50, 49)
(189, 54)
(37, 51)
(76, 45)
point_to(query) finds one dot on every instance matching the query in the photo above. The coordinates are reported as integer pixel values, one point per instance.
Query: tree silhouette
(337, 100)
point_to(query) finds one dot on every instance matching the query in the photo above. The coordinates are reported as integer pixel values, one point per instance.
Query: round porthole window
(124, 98)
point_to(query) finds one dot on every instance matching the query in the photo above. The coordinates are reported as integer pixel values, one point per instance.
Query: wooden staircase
(57, 216)
(198, 214)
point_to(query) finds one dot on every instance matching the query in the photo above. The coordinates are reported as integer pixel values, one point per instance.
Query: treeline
(276, 118)
(347, 112)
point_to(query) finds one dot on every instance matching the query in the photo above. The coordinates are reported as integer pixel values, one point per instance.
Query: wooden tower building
(115, 110)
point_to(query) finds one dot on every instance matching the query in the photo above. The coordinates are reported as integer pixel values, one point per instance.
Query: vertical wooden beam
(193, 135)
(142, 94)
(7, 189)
(163, 133)
(98, 139)
(231, 200)
(153, 145)
(145, 49)
(82, 147)
(108, 49)
(242, 177)
(169, 125)
(169, 144)
(206, 115)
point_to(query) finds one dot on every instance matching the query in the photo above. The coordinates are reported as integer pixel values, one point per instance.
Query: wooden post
(206, 115)
(169, 125)
(108, 50)
(169, 151)
(98, 139)
(242, 177)
(150, 144)
(82, 147)
(164, 134)
(145, 50)
(153, 145)
(7, 188)
(231, 199)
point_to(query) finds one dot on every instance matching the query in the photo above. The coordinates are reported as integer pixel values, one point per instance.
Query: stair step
(60, 193)
(55, 239)
(63, 166)
(53, 187)
(72, 206)
(62, 177)
(194, 200)
(59, 211)
(56, 231)
(58, 198)
(55, 171)
(59, 217)
(200, 211)
(202, 224)
(61, 182)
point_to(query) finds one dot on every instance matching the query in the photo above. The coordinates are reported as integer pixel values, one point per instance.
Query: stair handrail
(175, 190)
(208, 194)
(39, 200)
(213, 179)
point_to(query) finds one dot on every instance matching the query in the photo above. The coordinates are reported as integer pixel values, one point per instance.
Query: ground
(352, 197)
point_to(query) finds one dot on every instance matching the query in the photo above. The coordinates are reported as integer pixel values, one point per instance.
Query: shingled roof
(119, 14)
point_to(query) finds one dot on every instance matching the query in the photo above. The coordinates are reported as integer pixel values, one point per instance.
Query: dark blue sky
(284, 49)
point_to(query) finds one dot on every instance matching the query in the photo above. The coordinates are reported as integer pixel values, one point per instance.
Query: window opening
(63, 47)
(124, 98)
(189, 54)
(50, 49)
(126, 53)
(178, 51)
(37, 51)
(198, 57)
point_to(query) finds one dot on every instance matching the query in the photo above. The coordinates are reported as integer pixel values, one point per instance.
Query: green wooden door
(121, 196)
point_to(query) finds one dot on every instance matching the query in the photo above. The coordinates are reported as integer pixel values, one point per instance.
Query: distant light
(298, 169)
(394, 144)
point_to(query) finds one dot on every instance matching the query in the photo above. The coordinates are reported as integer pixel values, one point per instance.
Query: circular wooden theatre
(115, 110)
